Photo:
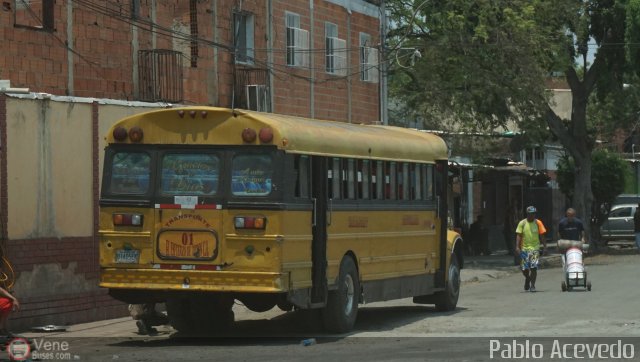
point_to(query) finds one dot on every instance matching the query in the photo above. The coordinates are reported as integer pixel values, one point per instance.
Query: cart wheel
(564, 286)
(589, 286)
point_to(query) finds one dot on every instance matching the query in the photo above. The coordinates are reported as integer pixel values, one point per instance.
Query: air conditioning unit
(258, 97)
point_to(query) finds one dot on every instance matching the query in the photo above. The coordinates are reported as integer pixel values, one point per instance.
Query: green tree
(484, 63)
(608, 179)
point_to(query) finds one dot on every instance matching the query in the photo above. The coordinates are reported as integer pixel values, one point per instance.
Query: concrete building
(80, 65)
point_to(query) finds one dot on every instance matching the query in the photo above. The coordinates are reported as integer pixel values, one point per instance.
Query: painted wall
(49, 175)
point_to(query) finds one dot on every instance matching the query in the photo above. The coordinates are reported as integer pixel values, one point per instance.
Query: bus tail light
(135, 134)
(249, 135)
(120, 134)
(266, 135)
(244, 222)
(127, 219)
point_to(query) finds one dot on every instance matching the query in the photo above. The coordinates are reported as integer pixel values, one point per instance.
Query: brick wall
(71, 266)
(101, 54)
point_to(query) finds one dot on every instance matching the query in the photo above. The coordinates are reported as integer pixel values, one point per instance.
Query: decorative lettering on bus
(410, 220)
(358, 221)
(187, 247)
(193, 217)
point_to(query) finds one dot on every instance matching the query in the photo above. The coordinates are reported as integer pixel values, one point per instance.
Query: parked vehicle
(626, 199)
(619, 224)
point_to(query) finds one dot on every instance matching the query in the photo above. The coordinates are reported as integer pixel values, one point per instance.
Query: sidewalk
(480, 268)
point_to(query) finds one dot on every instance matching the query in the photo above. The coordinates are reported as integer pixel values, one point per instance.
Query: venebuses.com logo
(19, 349)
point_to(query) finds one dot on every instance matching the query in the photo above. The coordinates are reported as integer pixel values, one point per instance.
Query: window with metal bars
(160, 75)
(193, 17)
(34, 14)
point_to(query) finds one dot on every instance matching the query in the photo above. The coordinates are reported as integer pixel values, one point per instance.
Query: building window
(368, 59)
(135, 9)
(335, 50)
(243, 37)
(36, 14)
(160, 75)
(297, 42)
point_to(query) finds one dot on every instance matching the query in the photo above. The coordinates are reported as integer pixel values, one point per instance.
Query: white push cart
(575, 274)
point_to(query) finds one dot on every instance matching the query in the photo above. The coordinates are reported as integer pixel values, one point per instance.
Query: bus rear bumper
(194, 280)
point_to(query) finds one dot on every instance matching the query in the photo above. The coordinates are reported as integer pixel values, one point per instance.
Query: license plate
(127, 256)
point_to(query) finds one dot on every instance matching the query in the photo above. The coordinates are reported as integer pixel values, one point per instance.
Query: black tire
(341, 311)
(259, 303)
(447, 300)
(179, 316)
(284, 305)
(200, 314)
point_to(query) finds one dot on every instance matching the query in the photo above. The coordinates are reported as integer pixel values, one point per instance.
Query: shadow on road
(293, 328)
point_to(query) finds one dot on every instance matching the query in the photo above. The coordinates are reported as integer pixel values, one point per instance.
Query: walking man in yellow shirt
(529, 234)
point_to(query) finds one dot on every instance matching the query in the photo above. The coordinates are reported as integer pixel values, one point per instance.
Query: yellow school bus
(202, 206)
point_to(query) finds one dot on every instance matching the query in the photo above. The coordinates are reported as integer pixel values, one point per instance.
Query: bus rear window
(190, 174)
(251, 175)
(130, 172)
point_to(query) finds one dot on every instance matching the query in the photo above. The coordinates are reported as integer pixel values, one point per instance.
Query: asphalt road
(493, 316)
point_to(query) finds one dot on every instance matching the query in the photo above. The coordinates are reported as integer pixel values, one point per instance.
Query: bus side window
(350, 170)
(412, 181)
(391, 181)
(301, 164)
(403, 181)
(335, 179)
(417, 181)
(379, 180)
(364, 179)
(428, 182)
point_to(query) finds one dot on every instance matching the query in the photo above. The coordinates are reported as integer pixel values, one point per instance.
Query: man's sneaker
(533, 289)
(527, 282)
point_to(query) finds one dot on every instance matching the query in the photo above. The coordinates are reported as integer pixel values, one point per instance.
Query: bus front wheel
(447, 299)
(339, 315)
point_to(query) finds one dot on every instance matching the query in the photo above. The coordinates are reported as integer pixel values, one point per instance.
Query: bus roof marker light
(136, 134)
(192, 114)
(249, 135)
(181, 113)
(204, 114)
(120, 134)
(266, 135)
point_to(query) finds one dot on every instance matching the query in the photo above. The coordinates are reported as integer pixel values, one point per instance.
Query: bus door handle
(438, 207)
(330, 212)
(315, 211)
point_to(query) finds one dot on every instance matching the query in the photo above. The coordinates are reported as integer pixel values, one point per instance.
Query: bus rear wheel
(447, 300)
(339, 315)
(200, 314)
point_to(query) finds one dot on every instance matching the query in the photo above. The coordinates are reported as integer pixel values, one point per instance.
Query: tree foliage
(608, 179)
(610, 172)
(485, 64)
